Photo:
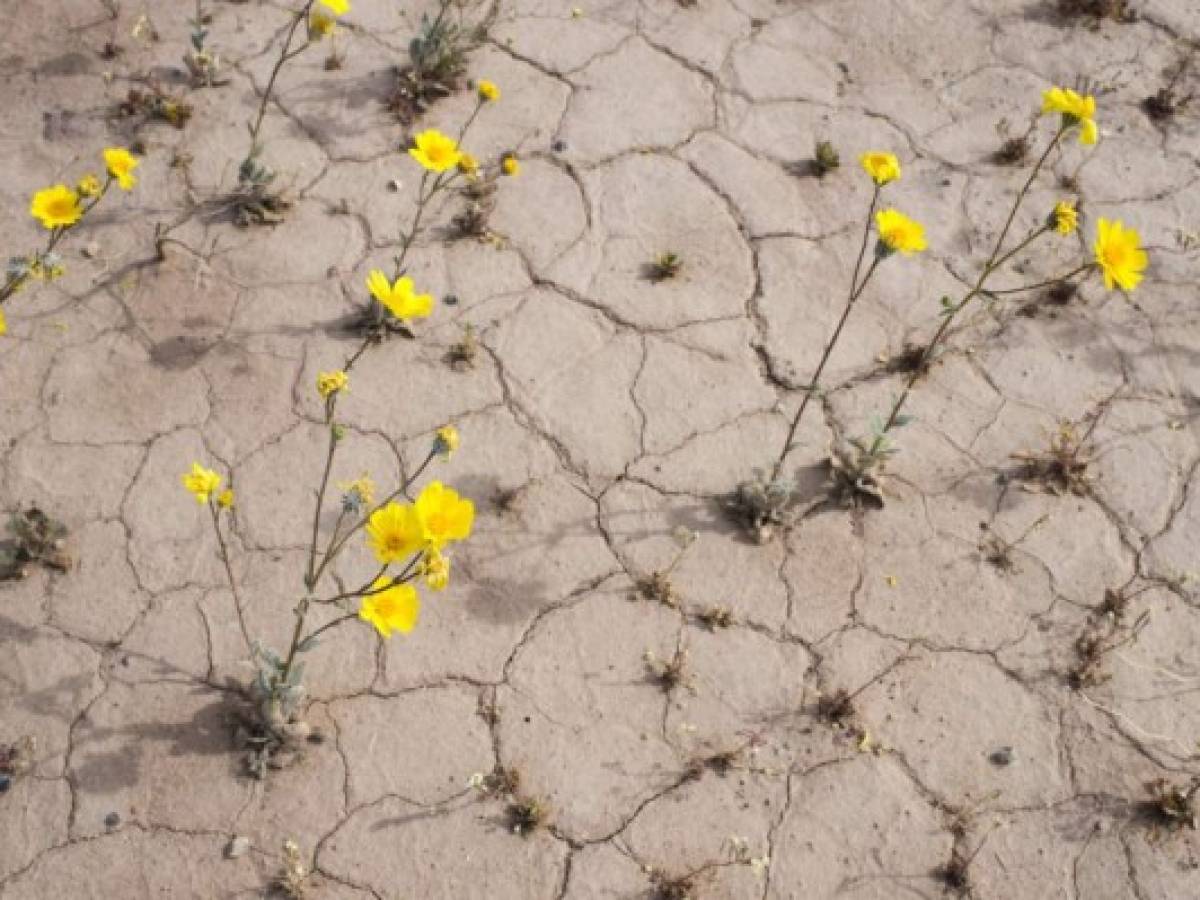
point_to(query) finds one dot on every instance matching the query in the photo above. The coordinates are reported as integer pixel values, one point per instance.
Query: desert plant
(408, 539)
(60, 209)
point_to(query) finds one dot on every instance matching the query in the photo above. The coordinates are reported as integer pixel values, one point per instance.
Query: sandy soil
(605, 411)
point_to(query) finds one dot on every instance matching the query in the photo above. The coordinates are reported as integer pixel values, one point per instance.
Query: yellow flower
(446, 441)
(201, 482)
(509, 165)
(882, 167)
(488, 90)
(1119, 255)
(3, 323)
(1076, 109)
(395, 532)
(444, 515)
(468, 164)
(399, 298)
(360, 491)
(225, 498)
(331, 382)
(337, 7)
(390, 607)
(321, 24)
(1065, 218)
(435, 151)
(435, 567)
(56, 207)
(121, 163)
(898, 232)
(89, 186)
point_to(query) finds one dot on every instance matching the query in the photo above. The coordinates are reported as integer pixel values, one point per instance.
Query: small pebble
(238, 847)
(394, 185)
(5, 783)
(91, 250)
(559, 146)
(112, 820)
(1002, 756)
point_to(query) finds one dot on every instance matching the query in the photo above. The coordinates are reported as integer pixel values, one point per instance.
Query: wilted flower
(1076, 109)
(329, 383)
(1065, 218)
(446, 441)
(488, 90)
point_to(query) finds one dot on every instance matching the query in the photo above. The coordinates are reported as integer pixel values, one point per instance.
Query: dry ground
(603, 412)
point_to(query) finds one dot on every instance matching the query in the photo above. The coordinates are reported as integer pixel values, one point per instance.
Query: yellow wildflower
(468, 165)
(897, 232)
(321, 24)
(337, 7)
(3, 323)
(225, 498)
(435, 568)
(1075, 108)
(1119, 255)
(882, 167)
(509, 165)
(56, 207)
(444, 515)
(446, 441)
(201, 482)
(121, 163)
(399, 298)
(361, 490)
(89, 186)
(488, 90)
(435, 151)
(1065, 218)
(329, 383)
(395, 532)
(390, 607)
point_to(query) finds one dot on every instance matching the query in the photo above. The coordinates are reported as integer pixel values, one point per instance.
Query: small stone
(238, 847)
(394, 185)
(559, 146)
(1002, 756)
(5, 783)
(112, 820)
(91, 250)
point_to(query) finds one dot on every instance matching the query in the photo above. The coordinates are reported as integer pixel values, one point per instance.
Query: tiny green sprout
(825, 159)
(665, 266)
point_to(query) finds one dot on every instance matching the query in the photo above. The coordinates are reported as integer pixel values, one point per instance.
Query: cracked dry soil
(882, 710)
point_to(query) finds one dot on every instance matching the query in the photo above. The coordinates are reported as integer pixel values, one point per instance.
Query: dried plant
(153, 103)
(658, 586)
(37, 539)
(292, 880)
(1063, 466)
(1173, 806)
(527, 814)
(1105, 633)
(669, 674)
(1115, 10)
(664, 267)
(997, 551)
(463, 354)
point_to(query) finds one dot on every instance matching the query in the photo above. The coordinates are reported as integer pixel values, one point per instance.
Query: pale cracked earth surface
(611, 411)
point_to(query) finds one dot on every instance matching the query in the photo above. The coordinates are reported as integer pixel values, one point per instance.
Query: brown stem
(299, 16)
(855, 290)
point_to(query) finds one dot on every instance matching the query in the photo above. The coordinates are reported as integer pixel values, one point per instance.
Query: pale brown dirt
(609, 410)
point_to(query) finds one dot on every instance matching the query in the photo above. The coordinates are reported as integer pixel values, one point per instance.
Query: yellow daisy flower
(321, 24)
(3, 323)
(509, 165)
(225, 498)
(435, 568)
(446, 441)
(435, 151)
(329, 383)
(395, 533)
(468, 165)
(395, 607)
(56, 207)
(1075, 108)
(882, 167)
(444, 515)
(89, 186)
(488, 90)
(337, 7)
(1119, 255)
(399, 298)
(1065, 218)
(897, 232)
(201, 482)
(121, 163)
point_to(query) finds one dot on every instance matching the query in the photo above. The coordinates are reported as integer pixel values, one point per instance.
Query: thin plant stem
(994, 262)
(1041, 284)
(224, 552)
(856, 290)
(333, 623)
(285, 56)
